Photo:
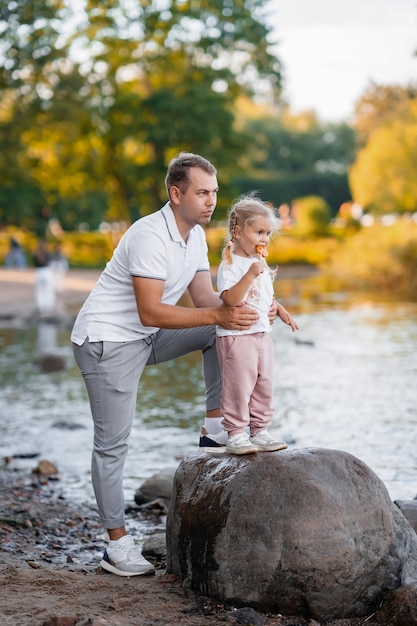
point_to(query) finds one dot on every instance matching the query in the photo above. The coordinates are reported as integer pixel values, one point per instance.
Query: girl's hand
(255, 269)
(286, 317)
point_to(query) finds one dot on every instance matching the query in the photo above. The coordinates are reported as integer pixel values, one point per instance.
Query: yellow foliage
(384, 174)
(287, 250)
(383, 257)
(283, 249)
(89, 250)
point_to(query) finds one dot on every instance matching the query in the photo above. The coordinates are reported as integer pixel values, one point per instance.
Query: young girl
(246, 357)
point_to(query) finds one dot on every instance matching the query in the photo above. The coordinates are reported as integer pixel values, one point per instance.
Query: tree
(113, 97)
(383, 178)
(378, 106)
(295, 155)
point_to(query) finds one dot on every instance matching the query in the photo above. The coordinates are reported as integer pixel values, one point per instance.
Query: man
(131, 319)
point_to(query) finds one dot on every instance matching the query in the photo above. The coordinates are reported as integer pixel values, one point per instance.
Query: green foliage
(333, 188)
(285, 146)
(295, 156)
(94, 106)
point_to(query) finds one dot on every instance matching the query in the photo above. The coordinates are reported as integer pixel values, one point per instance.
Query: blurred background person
(45, 293)
(16, 257)
(60, 266)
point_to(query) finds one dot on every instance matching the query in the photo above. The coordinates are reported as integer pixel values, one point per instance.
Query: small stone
(46, 468)
(248, 617)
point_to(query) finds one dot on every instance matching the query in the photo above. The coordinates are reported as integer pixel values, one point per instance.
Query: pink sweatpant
(246, 364)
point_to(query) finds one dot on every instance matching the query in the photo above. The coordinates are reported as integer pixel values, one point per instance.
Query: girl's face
(257, 233)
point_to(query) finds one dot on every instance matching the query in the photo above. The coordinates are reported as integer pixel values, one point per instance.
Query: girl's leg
(238, 362)
(261, 402)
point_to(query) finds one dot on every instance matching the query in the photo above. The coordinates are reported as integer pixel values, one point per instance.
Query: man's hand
(272, 313)
(238, 317)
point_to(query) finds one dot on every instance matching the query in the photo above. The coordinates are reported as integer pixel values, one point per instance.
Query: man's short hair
(178, 173)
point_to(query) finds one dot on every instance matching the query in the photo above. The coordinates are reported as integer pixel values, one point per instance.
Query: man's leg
(171, 344)
(111, 373)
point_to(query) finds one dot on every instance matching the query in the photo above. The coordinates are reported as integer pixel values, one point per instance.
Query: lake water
(346, 380)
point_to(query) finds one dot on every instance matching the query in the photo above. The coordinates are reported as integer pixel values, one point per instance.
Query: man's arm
(207, 311)
(202, 292)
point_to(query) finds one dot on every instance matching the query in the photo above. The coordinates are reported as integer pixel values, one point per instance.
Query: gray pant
(111, 372)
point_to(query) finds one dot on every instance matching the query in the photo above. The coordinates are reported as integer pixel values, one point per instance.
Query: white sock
(213, 425)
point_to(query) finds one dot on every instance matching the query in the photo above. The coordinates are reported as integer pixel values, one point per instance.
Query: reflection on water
(347, 381)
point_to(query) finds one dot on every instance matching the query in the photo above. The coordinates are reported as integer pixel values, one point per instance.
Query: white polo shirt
(259, 295)
(151, 248)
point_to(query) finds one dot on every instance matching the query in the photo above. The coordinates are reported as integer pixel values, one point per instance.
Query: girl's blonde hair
(243, 212)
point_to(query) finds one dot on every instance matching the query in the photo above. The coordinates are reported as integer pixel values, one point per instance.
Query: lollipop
(262, 251)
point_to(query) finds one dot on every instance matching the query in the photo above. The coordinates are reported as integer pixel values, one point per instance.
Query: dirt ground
(50, 549)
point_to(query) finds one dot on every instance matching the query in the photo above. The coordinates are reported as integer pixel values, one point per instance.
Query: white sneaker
(265, 443)
(123, 558)
(240, 444)
(215, 444)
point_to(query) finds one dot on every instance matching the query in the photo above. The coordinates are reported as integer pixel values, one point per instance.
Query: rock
(45, 468)
(155, 487)
(409, 509)
(155, 546)
(309, 532)
(248, 617)
(67, 425)
(51, 363)
(401, 608)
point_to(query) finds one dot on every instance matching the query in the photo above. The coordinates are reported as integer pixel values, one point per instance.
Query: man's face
(196, 205)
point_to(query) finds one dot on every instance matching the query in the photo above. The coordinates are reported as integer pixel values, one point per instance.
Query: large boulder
(310, 532)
